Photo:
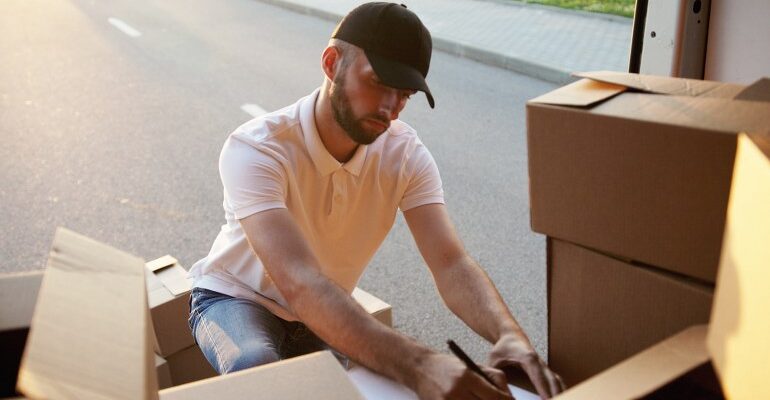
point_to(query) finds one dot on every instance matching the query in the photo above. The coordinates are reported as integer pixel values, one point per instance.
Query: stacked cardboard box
(629, 179)
(729, 357)
(91, 336)
(168, 294)
(178, 360)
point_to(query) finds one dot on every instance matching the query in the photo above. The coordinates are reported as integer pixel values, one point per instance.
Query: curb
(516, 64)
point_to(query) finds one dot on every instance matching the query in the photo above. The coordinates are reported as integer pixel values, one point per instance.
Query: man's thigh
(234, 333)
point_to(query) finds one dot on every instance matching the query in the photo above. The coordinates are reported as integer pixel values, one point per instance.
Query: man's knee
(251, 355)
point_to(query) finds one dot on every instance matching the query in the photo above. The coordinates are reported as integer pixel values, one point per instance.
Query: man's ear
(330, 61)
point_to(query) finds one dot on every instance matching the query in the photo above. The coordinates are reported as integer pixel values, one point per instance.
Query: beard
(343, 114)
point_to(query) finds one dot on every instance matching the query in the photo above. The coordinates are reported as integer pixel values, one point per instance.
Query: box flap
(714, 114)
(740, 327)
(654, 84)
(583, 93)
(171, 274)
(316, 376)
(18, 294)
(369, 302)
(89, 336)
(646, 371)
(162, 262)
(757, 91)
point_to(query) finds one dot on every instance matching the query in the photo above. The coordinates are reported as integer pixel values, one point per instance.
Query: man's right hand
(443, 377)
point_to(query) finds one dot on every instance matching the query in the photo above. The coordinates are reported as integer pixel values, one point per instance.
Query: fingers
(484, 390)
(498, 377)
(538, 378)
(547, 383)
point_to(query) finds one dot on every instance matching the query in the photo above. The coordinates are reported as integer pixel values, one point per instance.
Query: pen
(467, 360)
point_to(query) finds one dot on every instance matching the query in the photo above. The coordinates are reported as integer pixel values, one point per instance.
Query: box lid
(314, 376)
(171, 274)
(646, 371)
(89, 336)
(740, 327)
(598, 86)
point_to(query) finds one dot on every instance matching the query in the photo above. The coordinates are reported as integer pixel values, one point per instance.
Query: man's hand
(446, 377)
(511, 352)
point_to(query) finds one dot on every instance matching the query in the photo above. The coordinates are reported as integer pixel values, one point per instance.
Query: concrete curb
(489, 57)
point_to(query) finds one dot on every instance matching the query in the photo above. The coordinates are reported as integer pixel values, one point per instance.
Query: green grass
(623, 8)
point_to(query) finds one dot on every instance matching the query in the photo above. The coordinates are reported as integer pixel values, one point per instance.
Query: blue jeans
(236, 334)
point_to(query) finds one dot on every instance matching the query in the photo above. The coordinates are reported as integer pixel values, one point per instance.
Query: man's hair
(348, 53)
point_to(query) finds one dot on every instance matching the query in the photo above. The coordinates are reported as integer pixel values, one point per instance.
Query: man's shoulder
(266, 128)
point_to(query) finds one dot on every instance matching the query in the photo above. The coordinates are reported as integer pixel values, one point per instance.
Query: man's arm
(469, 293)
(335, 317)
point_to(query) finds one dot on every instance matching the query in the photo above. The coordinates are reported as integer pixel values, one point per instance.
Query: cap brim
(399, 75)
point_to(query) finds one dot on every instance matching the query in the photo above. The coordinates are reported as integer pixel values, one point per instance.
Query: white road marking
(253, 110)
(124, 27)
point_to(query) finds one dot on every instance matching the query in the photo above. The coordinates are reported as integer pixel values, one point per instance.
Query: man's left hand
(512, 352)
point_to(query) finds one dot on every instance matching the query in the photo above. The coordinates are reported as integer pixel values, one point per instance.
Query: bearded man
(310, 193)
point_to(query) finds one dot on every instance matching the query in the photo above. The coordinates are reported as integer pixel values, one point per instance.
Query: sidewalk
(542, 42)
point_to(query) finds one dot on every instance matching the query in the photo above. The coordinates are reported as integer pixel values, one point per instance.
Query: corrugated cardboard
(739, 336)
(189, 365)
(602, 310)
(164, 373)
(641, 374)
(316, 376)
(168, 292)
(18, 294)
(379, 309)
(90, 335)
(643, 176)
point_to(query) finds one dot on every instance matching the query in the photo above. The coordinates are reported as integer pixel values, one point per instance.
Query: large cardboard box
(313, 376)
(638, 166)
(602, 310)
(90, 334)
(18, 294)
(739, 335)
(736, 343)
(90, 338)
(168, 292)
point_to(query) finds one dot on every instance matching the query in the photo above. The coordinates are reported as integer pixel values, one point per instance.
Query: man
(311, 191)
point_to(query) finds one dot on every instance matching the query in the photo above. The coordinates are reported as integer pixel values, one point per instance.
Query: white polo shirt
(344, 211)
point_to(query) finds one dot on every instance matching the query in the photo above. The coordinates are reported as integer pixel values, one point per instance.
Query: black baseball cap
(396, 43)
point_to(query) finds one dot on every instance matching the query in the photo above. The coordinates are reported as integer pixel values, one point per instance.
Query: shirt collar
(324, 162)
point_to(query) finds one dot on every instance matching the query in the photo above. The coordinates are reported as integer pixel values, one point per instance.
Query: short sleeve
(424, 182)
(253, 179)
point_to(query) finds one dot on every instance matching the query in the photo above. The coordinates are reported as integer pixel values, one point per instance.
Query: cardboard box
(602, 310)
(313, 376)
(641, 375)
(168, 292)
(740, 326)
(639, 167)
(736, 343)
(189, 365)
(18, 294)
(90, 334)
(164, 373)
(90, 337)
(379, 309)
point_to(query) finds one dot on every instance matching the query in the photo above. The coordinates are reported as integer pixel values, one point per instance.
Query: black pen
(467, 360)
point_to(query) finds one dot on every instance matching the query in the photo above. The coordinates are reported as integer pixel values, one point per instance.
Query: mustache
(379, 117)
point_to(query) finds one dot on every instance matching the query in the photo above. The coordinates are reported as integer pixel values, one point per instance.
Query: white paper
(377, 387)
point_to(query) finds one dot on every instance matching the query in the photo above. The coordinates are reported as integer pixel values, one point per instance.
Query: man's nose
(390, 104)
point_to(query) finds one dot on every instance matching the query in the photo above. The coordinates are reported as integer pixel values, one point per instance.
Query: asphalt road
(117, 137)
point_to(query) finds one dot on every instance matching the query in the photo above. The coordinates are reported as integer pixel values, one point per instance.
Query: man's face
(362, 105)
